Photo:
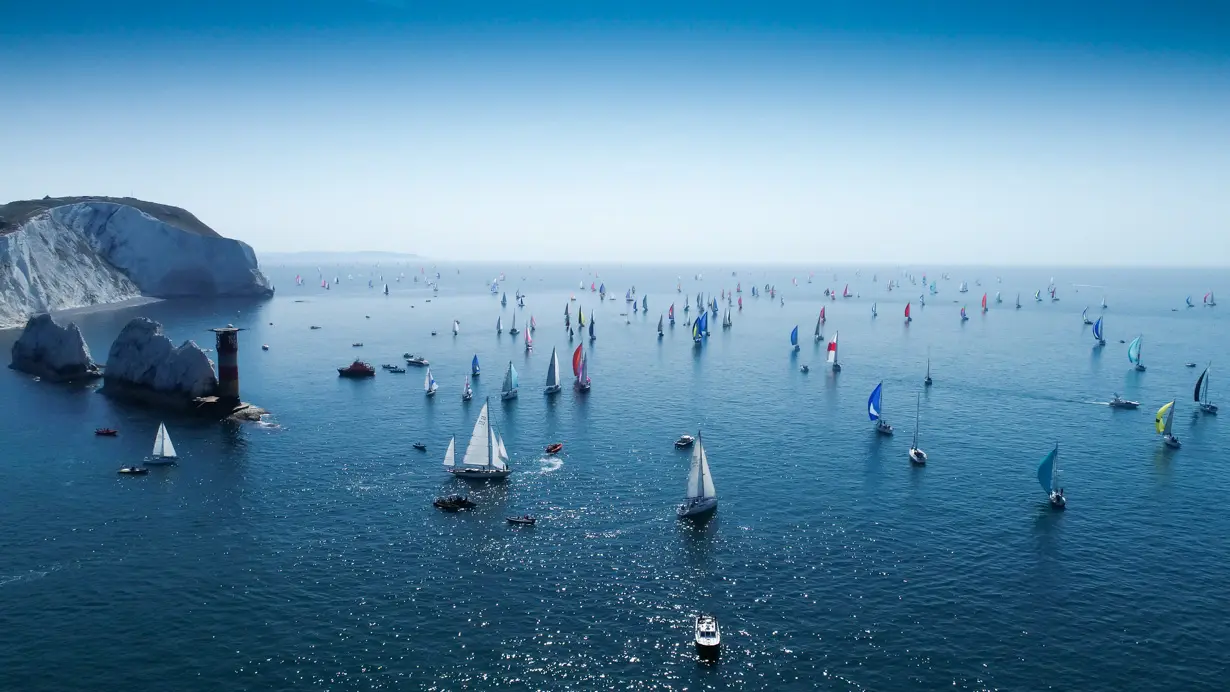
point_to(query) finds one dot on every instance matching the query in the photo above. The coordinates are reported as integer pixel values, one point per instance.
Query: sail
(660, 319)
(704, 323)
(499, 324)
(822, 314)
(1097, 329)
(1046, 470)
(1134, 351)
(591, 326)
(502, 457)
(553, 370)
(644, 302)
(474, 365)
(510, 378)
(1163, 418)
(456, 327)
(1196, 396)
(533, 324)
(514, 324)
(1084, 314)
(583, 372)
(477, 452)
(907, 311)
(984, 301)
(873, 402)
(794, 336)
(449, 453)
(700, 481)
(832, 354)
(162, 443)
(670, 314)
(576, 361)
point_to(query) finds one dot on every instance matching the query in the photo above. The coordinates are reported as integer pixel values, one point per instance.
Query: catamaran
(466, 392)
(1134, 354)
(794, 338)
(580, 368)
(164, 451)
(874, 410)
(553, 383)
(700, 499)
(1202, 392)
(485, 456)
(1163, 422)
(1048, 474)
(509, 389)
(832, 353)
(917, 456)
(1097, 332)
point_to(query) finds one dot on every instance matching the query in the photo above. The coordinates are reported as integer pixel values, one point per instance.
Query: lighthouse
(228, 362)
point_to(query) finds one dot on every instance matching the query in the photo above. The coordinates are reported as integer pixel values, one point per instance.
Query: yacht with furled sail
(917, 456)
(1048, 475)
(700, 499)
(1164, 422)
(509, 389)
(1134, 354)
(485, 457)
(164, 451)
(553, 382)
(875, 411)
(1201, 394)
(832, 353)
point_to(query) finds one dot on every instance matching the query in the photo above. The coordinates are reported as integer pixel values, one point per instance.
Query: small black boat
(420, 446)
(526, 520)
(452, 503)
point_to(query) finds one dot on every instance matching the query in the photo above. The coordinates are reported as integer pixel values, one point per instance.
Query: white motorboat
(1119, 402)
(708, 637)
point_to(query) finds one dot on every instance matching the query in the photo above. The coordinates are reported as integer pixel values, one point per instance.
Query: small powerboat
(1120, 402)
(708, 637)
(684, 442)
(314, 327)
(398, 369)
(133, 471)
(420, 446)
(1189, 365)
(555, 448)
(418, 361)
(453, 503)
(106, 432)
(357, 344)
(525, 520)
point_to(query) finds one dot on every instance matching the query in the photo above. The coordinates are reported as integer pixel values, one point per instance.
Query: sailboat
(1163, 422)
(1202, 392)
(998, 299)
(670, 314)
(1103, 302)
(485, 456)
(429, 384)
(964, 316)
(1048, 472)
(591, 326)
(456, 327)
(927, 379)
(964, 288)
(1097, 332)
(533, 324)
(1189, 302)
(1054, 298)
(819, 333)
(794, 337)
(1018, 301)
(1085, 316)
(1037, 296)
(875, 410)
(908, 319)
(164, 451)
(1134, 354)
(873, 310)
(845, 292)
(832, 353)
(700, 498)
(644, 302)
(634, 307)
(660, 326)
(504, 298)
(474, 371)
(698, 328)
(984, 303)
(520, 301)
(386, 289)
(466, 392)
(727, 322)
(509, 389)
(628, 296)
(581, 318)
(499, 325)
(514, 331)
(529, 341)
(553, 382)
(1209, 300)
(917, 456)
(740, 303)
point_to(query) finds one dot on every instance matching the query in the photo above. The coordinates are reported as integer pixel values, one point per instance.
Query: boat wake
(550, 464)
(31, 575)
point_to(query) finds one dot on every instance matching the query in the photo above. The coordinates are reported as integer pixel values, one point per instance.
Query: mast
(917, 399)
(700, 483)
(490, 447)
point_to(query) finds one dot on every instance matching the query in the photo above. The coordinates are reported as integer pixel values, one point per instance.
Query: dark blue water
(306, 554)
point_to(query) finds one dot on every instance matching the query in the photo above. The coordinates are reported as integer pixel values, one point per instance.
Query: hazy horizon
(957, 134)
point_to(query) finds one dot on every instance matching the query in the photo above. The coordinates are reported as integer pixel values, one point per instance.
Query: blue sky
(901, 132)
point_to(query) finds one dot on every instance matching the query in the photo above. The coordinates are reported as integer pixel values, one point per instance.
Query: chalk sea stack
(72, 252)
(53, 352)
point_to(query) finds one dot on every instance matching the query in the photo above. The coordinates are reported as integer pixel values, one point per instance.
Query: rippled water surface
(306, 554)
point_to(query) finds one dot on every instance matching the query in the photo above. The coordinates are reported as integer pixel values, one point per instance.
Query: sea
(304, 552)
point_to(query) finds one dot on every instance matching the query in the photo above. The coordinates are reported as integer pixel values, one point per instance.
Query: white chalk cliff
(143, 359)
(57, 254)
(53, 352)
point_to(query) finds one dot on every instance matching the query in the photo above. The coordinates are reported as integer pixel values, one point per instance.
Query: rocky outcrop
(53, 352)
(57, 254)
(144, 364)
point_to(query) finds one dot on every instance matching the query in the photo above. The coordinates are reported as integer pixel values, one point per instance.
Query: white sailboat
(917, 456)
(509, 388)
(429, 384)
(485, 456)
(700, 498)
(164, 451)
(499, 325)
(456, 327)
(466, 392)
(553, 384)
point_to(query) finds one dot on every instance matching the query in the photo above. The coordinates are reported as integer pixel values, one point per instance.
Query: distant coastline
(321, 257)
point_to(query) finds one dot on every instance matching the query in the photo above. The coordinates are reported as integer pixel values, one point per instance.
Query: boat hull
(1172, 442)
(697, 510)
(1058, 501)
(553, 389)
(160, 461)
(480, 474)
(508, 396)
(918, 457)
(1209, 408)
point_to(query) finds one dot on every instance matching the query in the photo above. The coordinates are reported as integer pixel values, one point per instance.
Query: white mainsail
(478, 452)
(162, 443)
(448, 453)
(553, 370)
(700, 481)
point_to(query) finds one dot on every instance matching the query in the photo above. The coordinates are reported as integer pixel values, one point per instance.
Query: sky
(829, 131)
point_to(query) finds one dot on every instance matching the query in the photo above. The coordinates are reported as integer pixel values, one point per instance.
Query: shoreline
(89, 310)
